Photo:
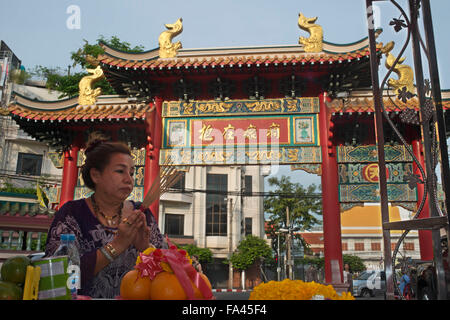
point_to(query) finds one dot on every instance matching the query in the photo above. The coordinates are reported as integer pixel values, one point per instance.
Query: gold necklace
(109, 219)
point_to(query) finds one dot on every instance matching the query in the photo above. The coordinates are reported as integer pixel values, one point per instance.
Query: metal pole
(278, 260)
(230, 244)
(381, 158)
(437, 97)
(441, 286)
(288, 244)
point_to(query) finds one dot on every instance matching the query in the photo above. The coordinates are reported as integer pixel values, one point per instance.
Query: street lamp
(278, 254)
(286, 232)
(290, 262)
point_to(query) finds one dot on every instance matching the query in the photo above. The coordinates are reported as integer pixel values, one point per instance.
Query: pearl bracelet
(106, 254)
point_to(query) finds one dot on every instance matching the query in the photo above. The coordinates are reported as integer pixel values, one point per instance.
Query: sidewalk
(232, 290)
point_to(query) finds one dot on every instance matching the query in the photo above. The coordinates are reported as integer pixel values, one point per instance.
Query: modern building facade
(197, 215)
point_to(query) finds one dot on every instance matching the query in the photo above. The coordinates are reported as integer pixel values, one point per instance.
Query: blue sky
(37, 31)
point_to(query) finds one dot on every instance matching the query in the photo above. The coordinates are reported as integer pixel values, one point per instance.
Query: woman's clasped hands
(133, 230)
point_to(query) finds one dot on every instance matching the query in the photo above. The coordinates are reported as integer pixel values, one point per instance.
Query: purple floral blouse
(76, 217)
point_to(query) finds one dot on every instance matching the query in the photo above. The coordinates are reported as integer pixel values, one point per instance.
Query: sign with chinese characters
(241, 156)
(359, 174)
(214, 132)
(369, 172)
(213, 135)
(276, 131)
(251, 131)
(306, 105)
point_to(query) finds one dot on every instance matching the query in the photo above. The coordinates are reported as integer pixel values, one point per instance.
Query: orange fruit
(165, 286)
(134, 287)
(197, 292)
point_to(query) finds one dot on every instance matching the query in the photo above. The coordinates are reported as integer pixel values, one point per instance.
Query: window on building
(344, 246)
(174, 224)
(408, 246)
(248, 185)
(180, 184)
(359, 246)
(216, 204)
(375, 246)
(29, 164)
(248, 226)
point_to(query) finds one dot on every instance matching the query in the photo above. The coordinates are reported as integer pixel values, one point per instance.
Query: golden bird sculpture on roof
(167, 49)
(315, 42)
(88, 95)
(405, 73)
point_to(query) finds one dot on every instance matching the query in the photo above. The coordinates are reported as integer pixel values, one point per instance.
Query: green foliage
(19, 76)
(61, 81)
(355, 263)
(43, 242)
(79, 57)
(249, 251)
(8, 187)
(204, 254)
(302, 203)
(317, 262)
(57, 80)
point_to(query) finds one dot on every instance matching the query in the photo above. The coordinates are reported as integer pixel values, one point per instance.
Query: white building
(23, 160)
(200, 213)
(362, 234)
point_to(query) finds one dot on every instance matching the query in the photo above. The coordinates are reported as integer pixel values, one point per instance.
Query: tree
(302, 203)
(250, 250)
(317, 262)
(55, 79)
(20, 76)
(204, 254)
(355, 263)
(80, 57)
(61, 81)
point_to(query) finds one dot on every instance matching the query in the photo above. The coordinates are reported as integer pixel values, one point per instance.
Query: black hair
(98, 153)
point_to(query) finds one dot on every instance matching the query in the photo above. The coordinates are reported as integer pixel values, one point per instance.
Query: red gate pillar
(425, 240)
(152, 153)
(70, 175)
(330, 200)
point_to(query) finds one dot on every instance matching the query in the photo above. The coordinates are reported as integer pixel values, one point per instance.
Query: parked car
(369, 283)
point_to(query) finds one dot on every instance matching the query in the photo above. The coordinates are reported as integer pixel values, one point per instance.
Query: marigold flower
(296, 290)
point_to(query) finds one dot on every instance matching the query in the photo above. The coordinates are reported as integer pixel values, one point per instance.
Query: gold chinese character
(186, 157)
(371, 172)
(274, 130)
(205, 133)
(293, 155)
(250, 133)
(228, 132)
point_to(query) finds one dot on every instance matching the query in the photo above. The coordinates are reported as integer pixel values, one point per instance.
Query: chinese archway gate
(307, 105)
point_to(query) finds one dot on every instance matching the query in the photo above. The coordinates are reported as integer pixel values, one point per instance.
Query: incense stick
(169, 175)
